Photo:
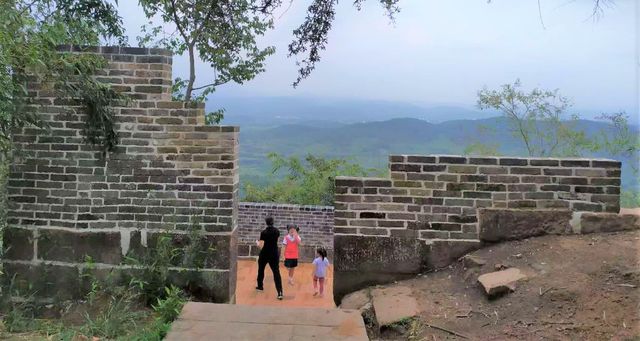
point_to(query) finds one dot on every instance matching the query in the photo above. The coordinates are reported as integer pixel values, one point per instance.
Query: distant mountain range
(370, 143)
(366, 131)
(293, 110)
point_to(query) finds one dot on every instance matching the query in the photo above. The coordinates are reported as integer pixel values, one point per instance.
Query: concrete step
(210, 321)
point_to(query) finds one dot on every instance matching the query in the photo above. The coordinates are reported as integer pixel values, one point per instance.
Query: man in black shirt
(269, 255)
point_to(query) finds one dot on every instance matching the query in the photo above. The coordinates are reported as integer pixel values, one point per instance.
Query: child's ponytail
(322, 252)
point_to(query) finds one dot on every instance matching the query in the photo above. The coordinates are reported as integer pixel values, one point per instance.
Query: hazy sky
(442, 52)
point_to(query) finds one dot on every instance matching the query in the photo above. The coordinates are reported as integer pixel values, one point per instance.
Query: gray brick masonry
(427, 211)
(438, 195)
(170, 172)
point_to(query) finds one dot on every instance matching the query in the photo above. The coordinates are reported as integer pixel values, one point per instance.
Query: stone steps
(209, 321)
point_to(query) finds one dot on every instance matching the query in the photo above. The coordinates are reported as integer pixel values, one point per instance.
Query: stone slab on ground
(356, 300)
(393, 304)
(499, 282)
(471, 261)
(209, 321)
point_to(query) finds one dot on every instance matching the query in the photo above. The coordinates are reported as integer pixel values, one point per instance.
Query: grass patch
(141, 310)
(116, 316)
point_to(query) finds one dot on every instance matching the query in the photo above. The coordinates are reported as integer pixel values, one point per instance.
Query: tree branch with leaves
(30, 35)
(221, 33)
(538, 118)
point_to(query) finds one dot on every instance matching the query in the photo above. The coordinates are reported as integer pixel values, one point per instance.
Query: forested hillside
(370, 143)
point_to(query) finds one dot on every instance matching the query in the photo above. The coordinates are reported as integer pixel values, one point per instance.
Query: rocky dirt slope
(580, 287)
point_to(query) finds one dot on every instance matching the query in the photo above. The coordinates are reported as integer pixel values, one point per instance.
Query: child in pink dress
(291, 243)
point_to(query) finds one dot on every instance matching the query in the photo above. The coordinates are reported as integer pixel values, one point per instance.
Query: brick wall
(427, 211)
(68, 202)
(315, 222)
(436, 197)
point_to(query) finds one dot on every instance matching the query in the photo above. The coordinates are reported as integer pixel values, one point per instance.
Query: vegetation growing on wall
(304, 182)
(30, 34)
(135, 305)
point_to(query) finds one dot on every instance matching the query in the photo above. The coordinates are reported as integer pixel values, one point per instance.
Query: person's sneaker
(280, 296)
(315, 293)
(260, 288)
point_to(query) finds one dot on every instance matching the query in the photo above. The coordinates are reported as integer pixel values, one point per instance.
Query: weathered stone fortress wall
(427, 213)
(69, 202)
(315, 223)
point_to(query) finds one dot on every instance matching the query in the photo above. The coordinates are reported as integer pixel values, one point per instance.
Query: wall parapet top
(505, 160)
(116, 50)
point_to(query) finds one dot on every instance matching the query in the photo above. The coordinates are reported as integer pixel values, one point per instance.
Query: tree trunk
(192, 73)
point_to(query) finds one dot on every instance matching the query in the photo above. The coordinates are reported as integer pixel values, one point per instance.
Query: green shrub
(630, 199)
(192, 252)
(169, 308)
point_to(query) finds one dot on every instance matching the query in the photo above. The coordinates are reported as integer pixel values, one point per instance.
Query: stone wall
(315, 223)
(426, 214)
(170, 173)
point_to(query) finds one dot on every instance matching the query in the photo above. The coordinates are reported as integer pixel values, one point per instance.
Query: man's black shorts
(290, 263)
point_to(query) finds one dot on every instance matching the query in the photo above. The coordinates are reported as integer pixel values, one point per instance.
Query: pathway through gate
(298, 295)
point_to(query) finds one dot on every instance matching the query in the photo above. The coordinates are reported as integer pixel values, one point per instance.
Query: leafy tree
(630, 199)
(620, 139)
(30, 34)
(538, 118)
(223, 33)
(311, 36)
(306, 182)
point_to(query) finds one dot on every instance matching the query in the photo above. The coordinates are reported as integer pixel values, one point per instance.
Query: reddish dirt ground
(582, 287)
(300, 294)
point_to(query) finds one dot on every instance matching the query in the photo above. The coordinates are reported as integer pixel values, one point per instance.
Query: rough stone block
(608, 222)
(75, 247)
(18, 244)
(374, 260)
(441, 253)
(43, 280)
(498, 225)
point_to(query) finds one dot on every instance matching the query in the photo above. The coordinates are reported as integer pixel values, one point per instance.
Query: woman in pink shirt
(291, 243)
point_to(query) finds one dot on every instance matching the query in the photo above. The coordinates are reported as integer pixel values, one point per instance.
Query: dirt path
(578, 288)
(300, 294)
